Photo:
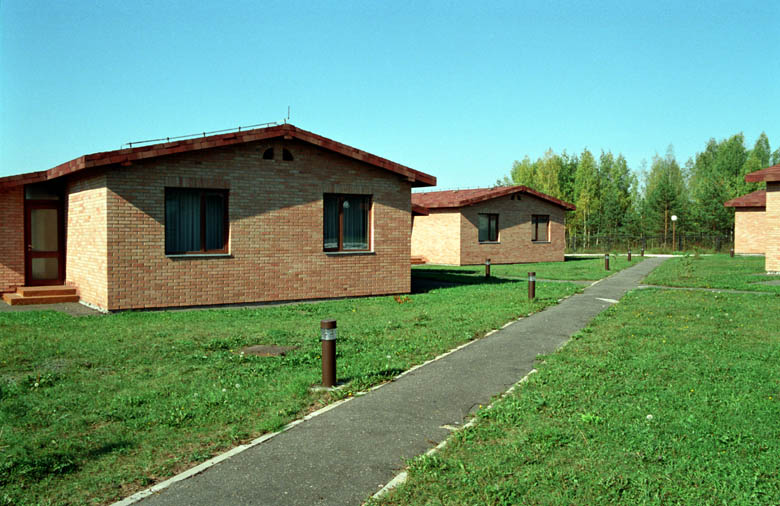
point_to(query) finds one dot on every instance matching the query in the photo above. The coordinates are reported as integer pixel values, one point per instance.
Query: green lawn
(95, 408)
(666, 398)
(716, 271)
(573, 269)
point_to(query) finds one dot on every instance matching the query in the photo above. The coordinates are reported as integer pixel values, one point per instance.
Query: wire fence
(714, 243)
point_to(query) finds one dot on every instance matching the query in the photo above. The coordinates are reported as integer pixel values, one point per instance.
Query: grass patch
(95, 408)
(573, 269)
(666, 398)
(716, 271)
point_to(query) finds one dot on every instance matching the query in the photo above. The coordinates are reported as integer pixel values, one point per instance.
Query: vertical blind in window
(346, 222)
(355, 223)
(182, 221)
(331, 223)
(540, 225)
(215, 220)
(488, 227)
(195, 220)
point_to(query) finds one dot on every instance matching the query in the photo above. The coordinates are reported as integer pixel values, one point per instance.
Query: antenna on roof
(288, 115)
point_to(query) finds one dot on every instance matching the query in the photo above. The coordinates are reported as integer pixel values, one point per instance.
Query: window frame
(225, 220)
(369, 222)
(491, 217)
(535, 228)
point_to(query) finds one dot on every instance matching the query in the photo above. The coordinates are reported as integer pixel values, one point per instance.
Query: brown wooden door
(44, 243)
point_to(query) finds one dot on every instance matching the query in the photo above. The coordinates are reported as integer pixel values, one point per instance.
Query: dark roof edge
(770, 174)
(753, 199)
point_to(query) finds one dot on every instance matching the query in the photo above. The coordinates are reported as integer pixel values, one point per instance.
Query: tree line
(613, 200)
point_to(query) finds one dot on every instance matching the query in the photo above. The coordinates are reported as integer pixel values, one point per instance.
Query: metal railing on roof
(200, 134)
(452, 188)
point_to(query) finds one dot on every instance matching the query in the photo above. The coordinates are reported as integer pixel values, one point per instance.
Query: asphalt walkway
(346, 454)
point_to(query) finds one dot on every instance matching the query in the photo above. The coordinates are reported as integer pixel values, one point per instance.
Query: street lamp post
(674, 221)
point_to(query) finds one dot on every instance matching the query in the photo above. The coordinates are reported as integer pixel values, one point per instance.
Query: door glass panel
(45, 268)
(42, 192)
(44, 230)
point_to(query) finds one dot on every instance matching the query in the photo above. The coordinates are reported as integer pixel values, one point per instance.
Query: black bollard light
(487, 267)
(642, 252)
(629, 254)
(328, 334)
(731, 252)
(531, 285)
(606, 261)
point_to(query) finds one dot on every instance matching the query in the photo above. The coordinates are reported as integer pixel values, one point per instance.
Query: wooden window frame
(535, 228)
(369, 218)
(491, 217)
(225, 218)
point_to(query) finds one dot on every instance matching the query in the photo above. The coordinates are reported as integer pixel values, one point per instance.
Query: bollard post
(328, 334)
(487, 267)
(629, 254)
(531, 285)
(731, 252)
(606, 261)
(642, 252)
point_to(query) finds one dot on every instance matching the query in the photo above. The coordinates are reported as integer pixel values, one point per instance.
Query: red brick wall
(276, 229)
(773, 226)
(514, 236)
(11, 239)
(750, 230)
(86, 230)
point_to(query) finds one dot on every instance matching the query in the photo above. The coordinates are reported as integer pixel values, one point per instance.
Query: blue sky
(456, 89)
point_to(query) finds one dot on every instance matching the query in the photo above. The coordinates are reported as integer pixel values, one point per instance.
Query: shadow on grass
(425, 280)
(55, 462)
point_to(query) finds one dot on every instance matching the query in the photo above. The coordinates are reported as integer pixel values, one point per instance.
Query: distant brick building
(749, 222)
(268, 214)
(771, 176)
(510, 224)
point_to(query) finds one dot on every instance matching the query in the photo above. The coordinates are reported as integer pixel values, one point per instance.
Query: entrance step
(419, 260)
(41, 295)
(28, 291)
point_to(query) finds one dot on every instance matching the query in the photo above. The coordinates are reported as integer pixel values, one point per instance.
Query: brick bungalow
(771, 176)
(509, 224)
(749, 222)
(259, 215)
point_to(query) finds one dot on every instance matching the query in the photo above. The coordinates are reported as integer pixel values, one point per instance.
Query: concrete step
(15, 299)
(27, 291)
(419, 260)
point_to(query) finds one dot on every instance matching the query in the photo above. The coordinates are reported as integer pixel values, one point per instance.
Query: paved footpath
(345, 455)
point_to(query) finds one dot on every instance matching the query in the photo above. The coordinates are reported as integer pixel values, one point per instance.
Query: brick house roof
(769, 174)
(126, 157)
(461, 198)
(417, 209)
(754, 199)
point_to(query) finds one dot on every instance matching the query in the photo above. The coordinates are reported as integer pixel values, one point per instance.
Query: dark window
(268, 154)
(346, 222)
(540, 227)
(196, 221)
(286, 155)
(488, 228)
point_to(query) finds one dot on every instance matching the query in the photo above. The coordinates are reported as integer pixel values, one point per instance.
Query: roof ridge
(477, 195)
(129, 155)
